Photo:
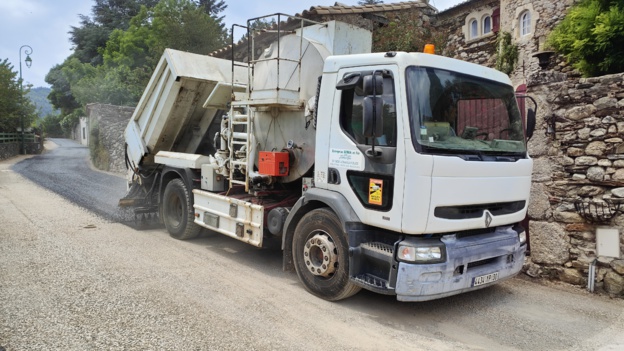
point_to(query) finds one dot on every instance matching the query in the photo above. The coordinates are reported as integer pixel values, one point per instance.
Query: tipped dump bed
(171, 115)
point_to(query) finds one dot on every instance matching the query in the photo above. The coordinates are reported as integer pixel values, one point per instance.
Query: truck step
(381, 257)
(372, 282)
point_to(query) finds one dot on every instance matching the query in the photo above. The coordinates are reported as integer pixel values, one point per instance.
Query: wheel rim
(174, 211)
(320, 255)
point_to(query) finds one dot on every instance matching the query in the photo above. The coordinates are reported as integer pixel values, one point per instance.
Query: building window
(487, 24)
(84, 133)
(474, 30)
(525, 23)
(496, 20)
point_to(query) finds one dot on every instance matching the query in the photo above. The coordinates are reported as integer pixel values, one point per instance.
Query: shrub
(591, 37)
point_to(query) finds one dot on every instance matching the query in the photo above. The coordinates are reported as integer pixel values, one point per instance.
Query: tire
(178, 213)
(325, 275)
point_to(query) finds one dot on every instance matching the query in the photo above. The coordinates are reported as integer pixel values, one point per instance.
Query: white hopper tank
(282, 95)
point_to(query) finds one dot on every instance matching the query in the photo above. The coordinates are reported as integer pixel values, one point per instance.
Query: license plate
(484, 279)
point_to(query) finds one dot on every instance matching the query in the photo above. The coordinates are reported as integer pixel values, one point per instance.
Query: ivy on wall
(506, 53)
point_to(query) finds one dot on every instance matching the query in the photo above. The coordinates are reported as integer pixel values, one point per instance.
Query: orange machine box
(273, 163)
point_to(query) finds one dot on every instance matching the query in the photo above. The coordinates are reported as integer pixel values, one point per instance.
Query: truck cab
(428, 157)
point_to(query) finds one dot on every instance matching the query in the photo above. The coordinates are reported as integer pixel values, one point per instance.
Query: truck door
(368, 170)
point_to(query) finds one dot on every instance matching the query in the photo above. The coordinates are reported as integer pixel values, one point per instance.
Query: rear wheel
(320, 254)
(178, 213)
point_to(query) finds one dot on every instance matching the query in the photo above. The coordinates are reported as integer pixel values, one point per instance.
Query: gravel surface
(73, 279)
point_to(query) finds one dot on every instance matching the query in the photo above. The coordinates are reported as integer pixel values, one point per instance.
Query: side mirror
(372, 105)
(530, 123)
(373, 84)
(373, 116)
(350, 81)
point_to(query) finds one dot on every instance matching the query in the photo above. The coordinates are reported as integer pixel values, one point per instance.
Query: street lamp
(28, 51)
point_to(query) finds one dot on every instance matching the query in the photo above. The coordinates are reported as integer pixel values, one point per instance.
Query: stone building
(80, 132)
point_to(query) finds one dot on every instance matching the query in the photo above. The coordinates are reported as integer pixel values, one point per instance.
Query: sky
(44, 26)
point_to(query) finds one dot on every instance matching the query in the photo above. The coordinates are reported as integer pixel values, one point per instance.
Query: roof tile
(345, 10)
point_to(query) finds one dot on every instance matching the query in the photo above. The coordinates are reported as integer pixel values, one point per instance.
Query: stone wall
(34, 148)
(8, 150)
(583, 163)
(109, 123)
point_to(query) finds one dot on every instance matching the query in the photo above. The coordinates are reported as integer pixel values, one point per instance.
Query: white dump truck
(405, 174)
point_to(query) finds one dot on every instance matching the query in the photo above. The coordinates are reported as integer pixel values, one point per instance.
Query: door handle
(333, 176)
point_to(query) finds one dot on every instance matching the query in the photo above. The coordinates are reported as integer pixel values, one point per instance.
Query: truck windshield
(453, 113)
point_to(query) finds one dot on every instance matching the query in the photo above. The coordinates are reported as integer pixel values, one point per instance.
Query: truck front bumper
(471, 263)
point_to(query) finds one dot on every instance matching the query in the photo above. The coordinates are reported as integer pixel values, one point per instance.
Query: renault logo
(488, 219)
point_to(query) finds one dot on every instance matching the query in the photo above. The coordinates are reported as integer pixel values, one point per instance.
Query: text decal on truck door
(348, 159)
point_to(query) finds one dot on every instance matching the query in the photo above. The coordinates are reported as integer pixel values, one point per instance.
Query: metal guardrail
(17, 137)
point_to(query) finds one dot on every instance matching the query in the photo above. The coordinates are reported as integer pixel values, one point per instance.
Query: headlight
(522, 237)
(427, 254)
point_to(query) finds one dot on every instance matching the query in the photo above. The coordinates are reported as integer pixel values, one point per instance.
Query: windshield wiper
(474, 155)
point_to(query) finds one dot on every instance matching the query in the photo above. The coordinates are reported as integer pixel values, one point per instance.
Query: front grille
(481, 263)
(476, 211)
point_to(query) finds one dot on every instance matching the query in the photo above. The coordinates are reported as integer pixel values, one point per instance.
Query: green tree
(90, 37)
(131, 55)
(51, 126)
(182, 25)
(61, 96)
(591, 37)
(63, 79)
(14, 105)
(136, 32)
(212, 7)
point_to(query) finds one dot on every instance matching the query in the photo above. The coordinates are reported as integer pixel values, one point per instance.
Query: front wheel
(320, 254)
(178, 213)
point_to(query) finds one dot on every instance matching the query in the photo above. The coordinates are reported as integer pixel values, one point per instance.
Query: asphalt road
(66, 170)
(73, 278)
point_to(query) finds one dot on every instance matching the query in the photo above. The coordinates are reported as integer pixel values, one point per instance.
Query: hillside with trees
(39, 98)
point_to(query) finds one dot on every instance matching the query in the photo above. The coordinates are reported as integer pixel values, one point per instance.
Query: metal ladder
(238, 140)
